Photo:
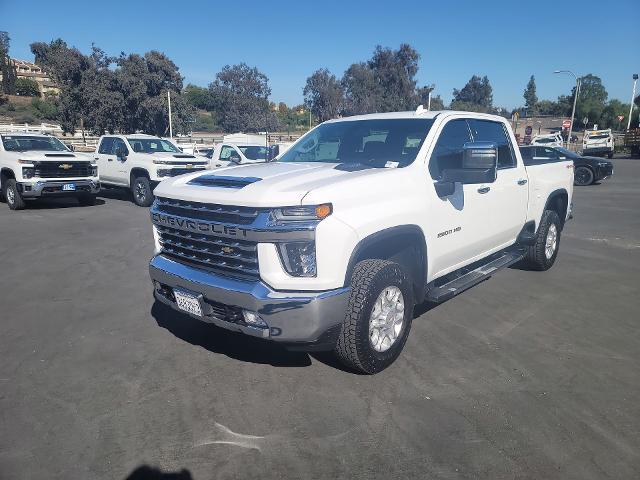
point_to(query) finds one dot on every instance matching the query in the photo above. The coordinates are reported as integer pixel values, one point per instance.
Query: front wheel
(542, 255)
(378, 317)
(12, 195)
(141, 190)
(583, 176)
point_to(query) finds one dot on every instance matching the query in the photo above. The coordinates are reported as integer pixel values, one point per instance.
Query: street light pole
(633, 97)
(575, 100)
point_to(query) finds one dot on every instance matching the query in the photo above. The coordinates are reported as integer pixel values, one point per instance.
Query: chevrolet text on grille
(198, 226)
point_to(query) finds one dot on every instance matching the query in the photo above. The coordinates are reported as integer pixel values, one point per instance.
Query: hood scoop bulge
(223, 182)
(57, 155)
(184, 155)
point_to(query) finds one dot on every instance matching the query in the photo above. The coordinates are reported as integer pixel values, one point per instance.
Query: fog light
(252, 318)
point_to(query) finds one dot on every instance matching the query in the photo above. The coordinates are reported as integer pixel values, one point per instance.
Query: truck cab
(228, 154)
(35, 166)
(139, 162)
(598, 143)
(333, 244)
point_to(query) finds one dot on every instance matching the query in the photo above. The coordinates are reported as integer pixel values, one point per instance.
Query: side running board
(467, 280)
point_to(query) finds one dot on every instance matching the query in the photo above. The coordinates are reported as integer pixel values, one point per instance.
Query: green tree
(199, 97)
(324, 95)
(362, 92)
(530, 97)
(27, 88)
(7, 68)
(477, 94)
(241, 96)
(591, 100)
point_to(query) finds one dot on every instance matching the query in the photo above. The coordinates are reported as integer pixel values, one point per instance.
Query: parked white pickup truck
(229, 154)
(331, 246)
(139, 162)
(34, 166)
(598, 143)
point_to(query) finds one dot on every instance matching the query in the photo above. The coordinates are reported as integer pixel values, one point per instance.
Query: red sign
(566, 123)
(620, 118)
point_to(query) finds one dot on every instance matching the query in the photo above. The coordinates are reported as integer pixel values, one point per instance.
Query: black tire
(537, 257)
(87, 200)
(141, 190)
(583, 176)
(12, 195)
(354, 348)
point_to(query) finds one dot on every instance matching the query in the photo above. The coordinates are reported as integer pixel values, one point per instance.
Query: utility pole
(633, 97)
(169, 103)
(429, 102)
(575, 100)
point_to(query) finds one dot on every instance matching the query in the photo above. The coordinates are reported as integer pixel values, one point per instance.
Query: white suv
(139, 162)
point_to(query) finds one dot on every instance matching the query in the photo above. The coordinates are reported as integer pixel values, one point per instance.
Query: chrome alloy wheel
(140, 191)
(552, 241)
(386, 319)
(11, 196)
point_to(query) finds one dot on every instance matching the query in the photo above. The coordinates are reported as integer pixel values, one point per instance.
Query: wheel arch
(558, 201)
(137, 172)
(403, 244)
(6, 173)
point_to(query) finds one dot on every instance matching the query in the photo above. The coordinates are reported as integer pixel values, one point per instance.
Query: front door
(106, 159)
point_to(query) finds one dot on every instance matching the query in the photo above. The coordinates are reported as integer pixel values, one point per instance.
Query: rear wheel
(542, 255)
(12, 195)
(583, 176)
(141, 190)
(378, 317)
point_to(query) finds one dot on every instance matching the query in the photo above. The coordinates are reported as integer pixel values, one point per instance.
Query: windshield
(375, 143)
(25, 143)
(152, 145)
(598, 137)
(254, 152)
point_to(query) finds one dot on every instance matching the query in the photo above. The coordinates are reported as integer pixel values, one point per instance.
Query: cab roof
(416, 114)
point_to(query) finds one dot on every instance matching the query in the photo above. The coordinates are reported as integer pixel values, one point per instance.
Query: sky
(288, 41)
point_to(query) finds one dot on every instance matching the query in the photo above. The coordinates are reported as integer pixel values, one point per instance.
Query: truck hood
(47, 155)
(260, 185)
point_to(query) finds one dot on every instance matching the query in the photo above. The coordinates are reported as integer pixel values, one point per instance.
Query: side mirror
(479, 165)
(235, 158)
(72, 148)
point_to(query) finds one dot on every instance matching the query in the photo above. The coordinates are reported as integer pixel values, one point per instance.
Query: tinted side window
(118, 143)
(226, 152)
(546, 152)
(448, 150)
(488, 131)
(105, 145)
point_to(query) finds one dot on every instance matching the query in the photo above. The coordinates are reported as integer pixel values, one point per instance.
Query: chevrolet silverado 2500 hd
(35, 166)
(140, 162)
(332, 245)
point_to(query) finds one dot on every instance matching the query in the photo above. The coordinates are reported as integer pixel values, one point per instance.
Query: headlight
(164, 172)
(94, 170)
(299, 259)
(303, 212)
(27, 172)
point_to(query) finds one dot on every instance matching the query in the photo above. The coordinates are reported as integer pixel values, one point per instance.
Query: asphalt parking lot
(528, 375)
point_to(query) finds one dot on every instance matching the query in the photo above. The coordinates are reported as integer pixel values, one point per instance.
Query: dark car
(587, 170)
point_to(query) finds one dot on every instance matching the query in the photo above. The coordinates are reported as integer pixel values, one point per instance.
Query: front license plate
(68, 187)
(188, 302)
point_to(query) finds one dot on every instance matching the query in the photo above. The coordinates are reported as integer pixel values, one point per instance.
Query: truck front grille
(219, 254)
(174, 172)
(68, 169)
(207, 211)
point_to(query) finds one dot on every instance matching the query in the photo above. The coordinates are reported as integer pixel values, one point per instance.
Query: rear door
(506, 199)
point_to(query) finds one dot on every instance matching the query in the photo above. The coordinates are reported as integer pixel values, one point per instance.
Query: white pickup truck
(332, 245)
(598, 143)
(35, 166)
(139, 162)
(228, 154)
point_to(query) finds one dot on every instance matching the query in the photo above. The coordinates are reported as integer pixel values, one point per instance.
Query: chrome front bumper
(39, 188)
(292, 317)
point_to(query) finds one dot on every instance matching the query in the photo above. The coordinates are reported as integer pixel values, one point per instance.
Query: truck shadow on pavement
(218, 340)
(146, 472)
(58, 203)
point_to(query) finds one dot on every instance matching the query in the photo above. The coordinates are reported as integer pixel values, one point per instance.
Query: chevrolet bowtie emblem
(227, 249)
(65, 166)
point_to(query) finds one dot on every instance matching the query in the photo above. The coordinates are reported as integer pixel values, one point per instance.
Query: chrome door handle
(522, 181)
(484, 189)
(109, 159)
